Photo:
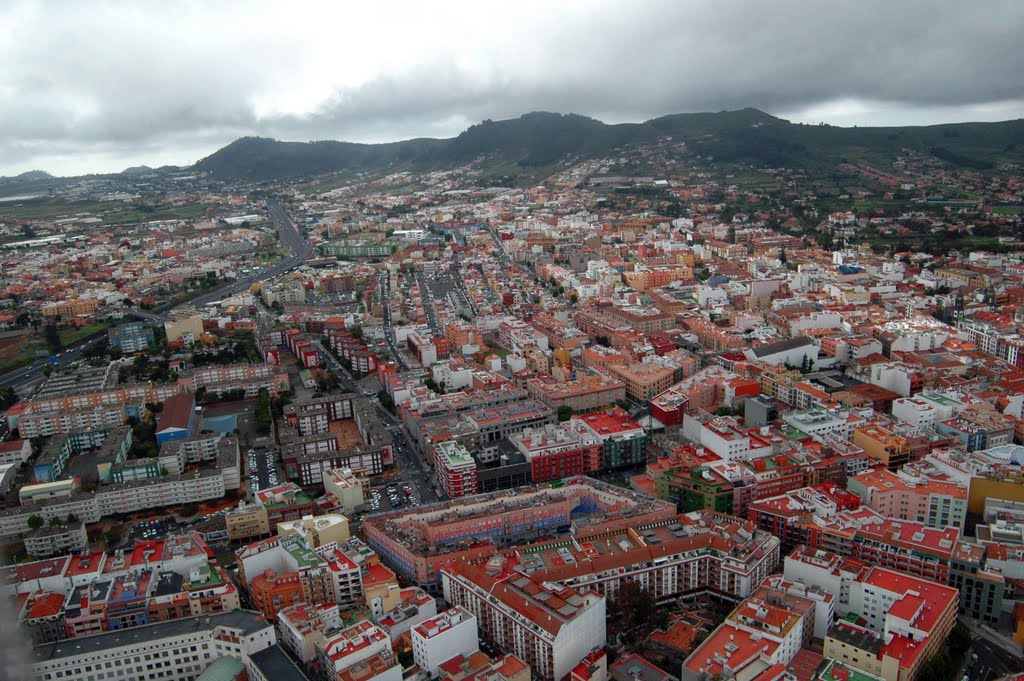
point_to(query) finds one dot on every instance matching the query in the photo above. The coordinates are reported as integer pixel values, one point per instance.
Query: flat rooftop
(246, 620)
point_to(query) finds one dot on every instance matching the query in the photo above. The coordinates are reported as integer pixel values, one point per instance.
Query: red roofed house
(902, 622)
(548, 626)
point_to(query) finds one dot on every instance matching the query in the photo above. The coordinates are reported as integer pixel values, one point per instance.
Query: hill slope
(540, 139)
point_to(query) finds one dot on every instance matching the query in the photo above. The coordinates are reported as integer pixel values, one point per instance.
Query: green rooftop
(304, 556)
(794, 434)
(207, 577)
(455, 453)
(938, 399)
(223, 669)
(288, 499)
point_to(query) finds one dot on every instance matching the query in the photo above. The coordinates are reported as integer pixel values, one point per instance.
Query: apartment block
(455, 468)
(905, 619)
(907, 497)
(583, 394)
(175, 650)
(442, 637)
(549, 627)
(623, 441)
(552, 452)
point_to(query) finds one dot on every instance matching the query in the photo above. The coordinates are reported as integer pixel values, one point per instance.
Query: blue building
(177, 419)
(132, 337)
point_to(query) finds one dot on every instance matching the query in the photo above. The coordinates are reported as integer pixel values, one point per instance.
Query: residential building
(623, 441)
(130, 338)
(361, 643)
(900, 495)
(175, 650)
(552, 452)
(347, 489)
(302, 627)
(551, 628)
(456, 469)
(184, 325)
(903, 622)
(418, 543)
(583, 394)
(442, 637)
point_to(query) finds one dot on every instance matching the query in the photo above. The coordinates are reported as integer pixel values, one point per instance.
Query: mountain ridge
(539, 139)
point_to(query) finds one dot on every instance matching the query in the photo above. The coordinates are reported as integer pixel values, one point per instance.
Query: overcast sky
(99, 86)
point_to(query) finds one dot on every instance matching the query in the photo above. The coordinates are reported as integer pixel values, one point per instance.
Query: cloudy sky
(98, 86)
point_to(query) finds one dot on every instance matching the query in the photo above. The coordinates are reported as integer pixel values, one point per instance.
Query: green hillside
(541, 139)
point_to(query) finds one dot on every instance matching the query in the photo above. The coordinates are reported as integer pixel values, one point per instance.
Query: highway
(146, 316)
(33, 373)
(290, 236)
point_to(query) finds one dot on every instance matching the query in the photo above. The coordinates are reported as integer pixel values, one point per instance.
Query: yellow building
(71, 308)
(246, 521)
(317, 530)
(644, 380)
(380, 586)
(1002, 484)
(882, 445)
(349, 489)
(184, 325)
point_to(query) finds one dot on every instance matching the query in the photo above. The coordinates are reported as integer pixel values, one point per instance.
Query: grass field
(110, 212)
(1008, 210)
(24, 358)
(131, 215)
(73, 336)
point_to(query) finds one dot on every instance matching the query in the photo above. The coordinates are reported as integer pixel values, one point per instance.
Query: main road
(290, 235)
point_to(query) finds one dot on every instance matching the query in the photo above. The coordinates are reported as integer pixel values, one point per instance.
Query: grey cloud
(155, 81)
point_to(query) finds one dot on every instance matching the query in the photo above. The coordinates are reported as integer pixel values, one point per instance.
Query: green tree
(35, 522)
(111, 536)
(959, 641)
(52, 337)
(7, 398)
(264, 416)
(54, 521)
(565, 413)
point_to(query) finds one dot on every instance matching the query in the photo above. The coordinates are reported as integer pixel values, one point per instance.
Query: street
(410, 466)
(289, 235)
(996, 655)
(389, 331)
(33, 373)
